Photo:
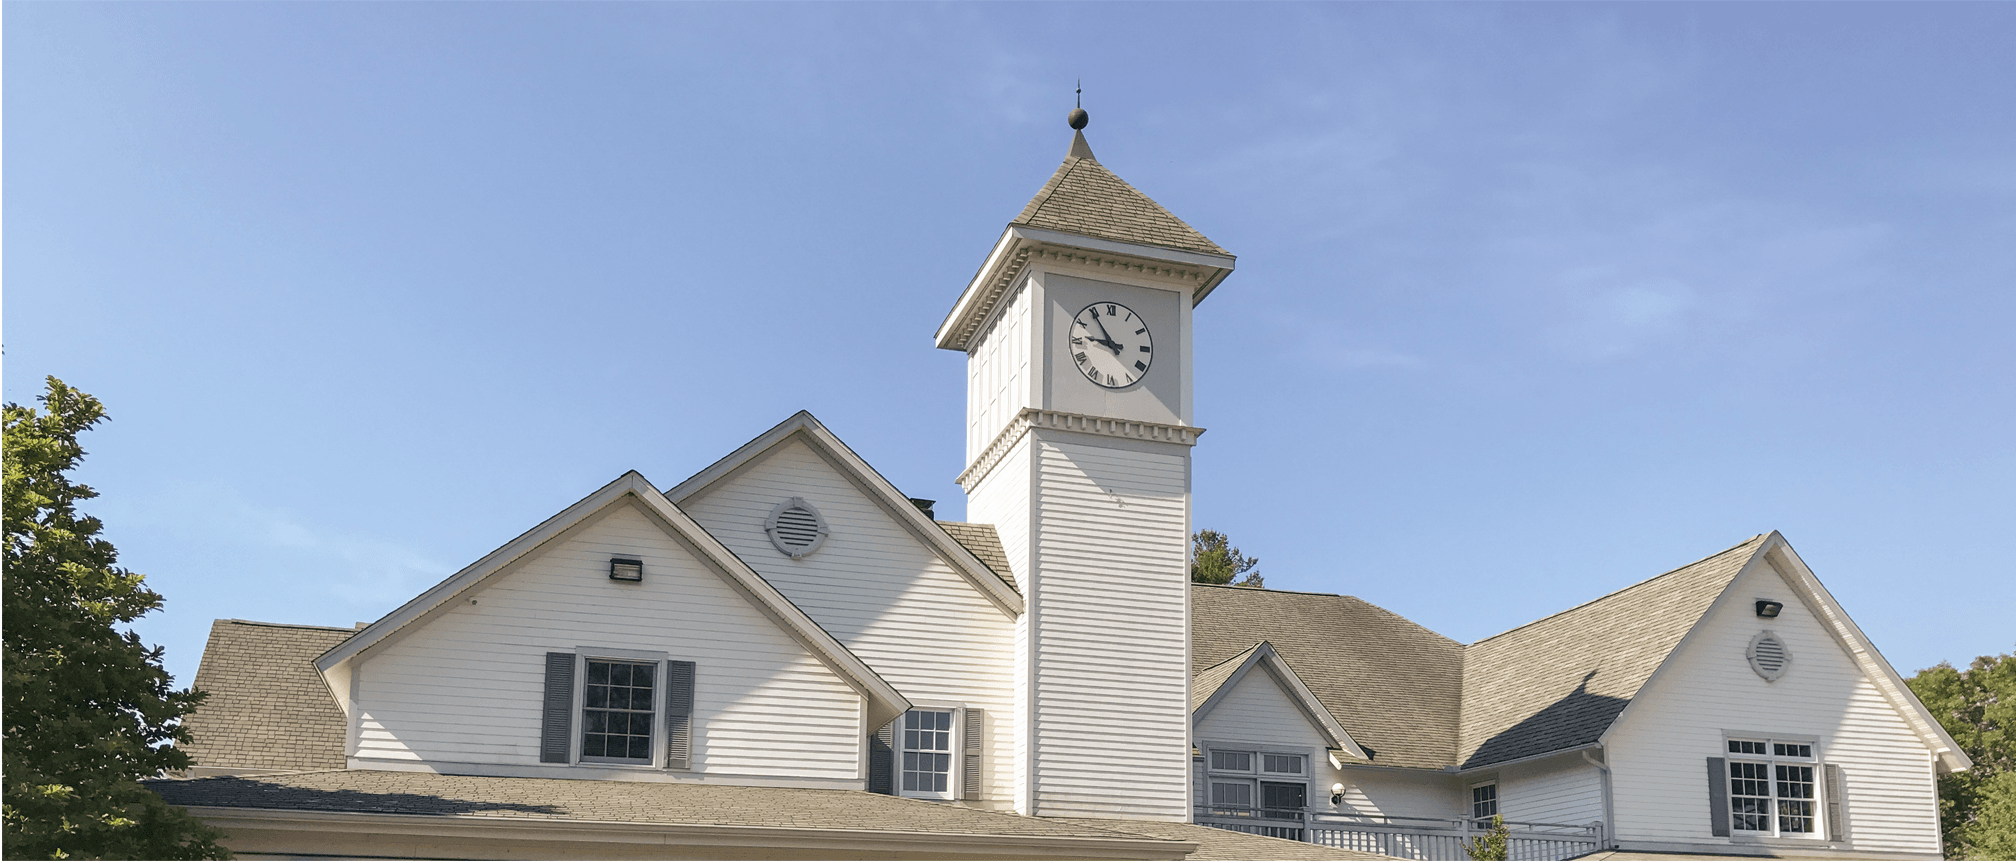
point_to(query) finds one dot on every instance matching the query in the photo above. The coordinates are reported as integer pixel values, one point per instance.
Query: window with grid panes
(616, 711)
(1771, 787)
(1484, 802)
(1254, 783)
(927, 753)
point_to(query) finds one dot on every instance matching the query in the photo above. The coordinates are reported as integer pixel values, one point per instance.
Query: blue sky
(1533, 301)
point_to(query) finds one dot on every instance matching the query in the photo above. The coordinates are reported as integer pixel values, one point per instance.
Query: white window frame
(1497, 801)
(954, 773)
(656, 659)
(1254, 778)
(1772, 761)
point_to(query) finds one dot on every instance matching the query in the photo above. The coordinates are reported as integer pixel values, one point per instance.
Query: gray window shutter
(1718, 796)
(1837, 804)
(882, 760)
(556, 721)
(970, 765)
(679, 714)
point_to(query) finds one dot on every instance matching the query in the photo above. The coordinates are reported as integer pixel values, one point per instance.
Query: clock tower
(1079, 426)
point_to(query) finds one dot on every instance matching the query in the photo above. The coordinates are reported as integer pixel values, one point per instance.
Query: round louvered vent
(795, 527)
(1768, 656)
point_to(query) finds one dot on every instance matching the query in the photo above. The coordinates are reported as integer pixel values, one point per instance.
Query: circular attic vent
(1768, 656)
(796, 528)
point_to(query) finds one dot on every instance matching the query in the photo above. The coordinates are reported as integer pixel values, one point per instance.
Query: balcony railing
(1405, 837)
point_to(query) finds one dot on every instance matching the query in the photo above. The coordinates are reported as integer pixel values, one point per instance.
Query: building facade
(784, 655)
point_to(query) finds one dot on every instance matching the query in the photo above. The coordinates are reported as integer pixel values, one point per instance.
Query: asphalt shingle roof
(1393, 685)
(1085, 198)
(268, 707)
(985, 543)
(1420, 700)
(404, 793)
(1559, 682)
(1206, 683)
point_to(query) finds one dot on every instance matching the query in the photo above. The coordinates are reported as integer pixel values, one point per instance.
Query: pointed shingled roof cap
(1084, 198)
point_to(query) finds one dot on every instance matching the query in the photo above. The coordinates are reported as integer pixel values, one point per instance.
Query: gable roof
(1217, 682)
(1393, 685)
(804, 427)
(884, 702)
(1082, 197)
(268, 709)
(985, 543)
(1558, 683)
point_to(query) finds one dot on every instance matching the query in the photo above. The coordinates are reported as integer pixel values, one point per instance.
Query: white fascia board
(1866, 656)
(975, 289)
(979, 290)
(1291, 684)
(878, 488)
(883, 699)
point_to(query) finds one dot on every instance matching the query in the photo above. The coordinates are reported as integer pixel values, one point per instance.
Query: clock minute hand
(1105, 337)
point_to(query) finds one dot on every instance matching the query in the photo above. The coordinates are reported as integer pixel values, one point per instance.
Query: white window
(925, 757)
(619, 700)
(1256, 783)
(1771, 787)
(1484, 802)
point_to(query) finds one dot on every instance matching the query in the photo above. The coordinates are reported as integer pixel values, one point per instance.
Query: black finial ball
(1079, 118)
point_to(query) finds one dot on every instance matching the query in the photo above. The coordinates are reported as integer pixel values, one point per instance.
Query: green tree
(1493, 845)
(1213, 560)
(89, 711)
(1977, 808)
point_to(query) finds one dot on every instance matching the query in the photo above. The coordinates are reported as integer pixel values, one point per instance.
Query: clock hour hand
(1105, 338)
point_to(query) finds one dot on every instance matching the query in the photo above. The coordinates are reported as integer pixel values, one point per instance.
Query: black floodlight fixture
(1767, 608)
(626, 569)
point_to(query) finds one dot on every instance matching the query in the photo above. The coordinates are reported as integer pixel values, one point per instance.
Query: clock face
(1111, 345)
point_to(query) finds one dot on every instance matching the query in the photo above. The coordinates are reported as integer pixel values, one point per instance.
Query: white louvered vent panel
(795, 527)
(798, 528)
(1768, 655)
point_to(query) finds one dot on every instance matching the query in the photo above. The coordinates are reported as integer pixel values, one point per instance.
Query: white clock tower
(1079, 424)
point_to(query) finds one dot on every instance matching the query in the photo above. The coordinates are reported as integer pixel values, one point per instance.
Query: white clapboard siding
(466, 687)
(1001, 498)
(1560, 790)
(878, 589)
(997, 369)
(1661, 744)
(1400, 793)
(1110, 597)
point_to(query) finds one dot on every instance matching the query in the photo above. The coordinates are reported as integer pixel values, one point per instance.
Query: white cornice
(1020, 245)
(1038, 418)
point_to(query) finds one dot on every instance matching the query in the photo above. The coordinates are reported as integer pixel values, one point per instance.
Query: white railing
(1405, 837)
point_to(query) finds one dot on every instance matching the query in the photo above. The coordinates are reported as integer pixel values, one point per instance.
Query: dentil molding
(1038, 418)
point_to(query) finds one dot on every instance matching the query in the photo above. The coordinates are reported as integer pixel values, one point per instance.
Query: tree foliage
(1977, 808)
(89, 711)
(1213, 560)
(1493, 845)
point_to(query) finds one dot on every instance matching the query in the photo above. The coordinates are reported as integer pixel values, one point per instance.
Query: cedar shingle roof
(674, 803)
(268, 708)
(1085, 198)
(985, 543)
(1420, 700)
(1559, 682)
(1393, 685)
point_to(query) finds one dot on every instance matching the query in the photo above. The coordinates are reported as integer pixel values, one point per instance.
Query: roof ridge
(1621, 590)
(1366, 602)
(284, 625)
(1236, 657)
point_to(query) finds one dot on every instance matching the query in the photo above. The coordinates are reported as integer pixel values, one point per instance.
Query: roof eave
(1006, 260)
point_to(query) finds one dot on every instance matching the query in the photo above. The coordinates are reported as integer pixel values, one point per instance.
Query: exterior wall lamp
(626, 569)
(1767, 608)
(1336, 793)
